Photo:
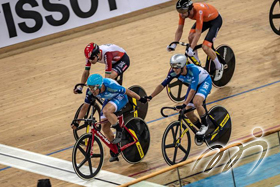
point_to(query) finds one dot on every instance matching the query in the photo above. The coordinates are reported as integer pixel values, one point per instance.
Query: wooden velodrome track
(37, 102)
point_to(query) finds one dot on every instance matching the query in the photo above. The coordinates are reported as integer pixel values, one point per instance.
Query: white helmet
(178, 61)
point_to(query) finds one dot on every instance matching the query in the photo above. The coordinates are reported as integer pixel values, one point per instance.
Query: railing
(238, 164)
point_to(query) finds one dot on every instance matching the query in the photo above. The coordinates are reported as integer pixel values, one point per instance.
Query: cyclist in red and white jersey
(207, 17)
(114, 58)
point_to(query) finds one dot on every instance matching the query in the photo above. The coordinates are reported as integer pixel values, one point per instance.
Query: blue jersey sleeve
(115, 88)
(89, 96)
(171, 75)
(195, 79)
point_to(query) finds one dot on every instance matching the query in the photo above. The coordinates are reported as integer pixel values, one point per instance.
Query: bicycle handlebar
(186, 44)
(88, 120)
(181, 112)
(163, 108)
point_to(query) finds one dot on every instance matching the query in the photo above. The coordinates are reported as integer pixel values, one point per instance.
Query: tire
(136, 152)
(170, 152)
(274, 16)
(85, 128)
(222, 117)
(81, 154)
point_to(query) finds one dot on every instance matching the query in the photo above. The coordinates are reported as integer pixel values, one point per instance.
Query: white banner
(22, 20)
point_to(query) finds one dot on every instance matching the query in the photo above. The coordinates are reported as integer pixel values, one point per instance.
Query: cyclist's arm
(81, 115)
(85, 76)
(178, 33)
(108, 57)
(83, 111)
(158, 89)
(197, 35)
(190, 96)
(166, 81)
(198, 29)
(132, 94)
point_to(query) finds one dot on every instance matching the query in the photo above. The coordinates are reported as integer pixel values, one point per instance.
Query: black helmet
(184, 6)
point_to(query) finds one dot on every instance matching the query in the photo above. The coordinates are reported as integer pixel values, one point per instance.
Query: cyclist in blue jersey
(115, 99)
(200, 85)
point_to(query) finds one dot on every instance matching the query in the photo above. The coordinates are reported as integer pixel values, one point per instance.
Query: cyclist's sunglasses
(92, 57)
(175, 66)
(93, 87)
(183, 11)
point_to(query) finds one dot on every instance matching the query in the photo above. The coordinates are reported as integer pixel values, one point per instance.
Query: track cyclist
(115, 99)
(207, 17)
(114, 57)
(200, 85)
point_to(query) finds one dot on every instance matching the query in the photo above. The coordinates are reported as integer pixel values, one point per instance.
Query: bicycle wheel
(175, 147)
(221, 138)
(83, 128)
(142, 108)
(226, 54)
(176, 90)
(274, 16)
(138, 151)
(87, 160)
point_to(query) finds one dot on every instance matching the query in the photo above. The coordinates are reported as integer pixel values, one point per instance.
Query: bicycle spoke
(82, 163)
(180, 90)
(171, 85)
(183, 149)
(90, 166)
(169, 146)
(175, 154)
(95, 155)
(174, 134)
(82, 150)
(275, 16)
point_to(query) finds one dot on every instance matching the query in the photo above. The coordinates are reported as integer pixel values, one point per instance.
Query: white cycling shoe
(199, 135)
(202, 130)
(219, 73)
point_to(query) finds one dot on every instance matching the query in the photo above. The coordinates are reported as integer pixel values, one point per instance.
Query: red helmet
(91, 50)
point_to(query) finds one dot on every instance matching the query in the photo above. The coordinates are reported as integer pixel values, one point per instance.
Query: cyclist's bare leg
(211, 53)
(191, 115)
(108, 112)
(198, 101)
(107, 131)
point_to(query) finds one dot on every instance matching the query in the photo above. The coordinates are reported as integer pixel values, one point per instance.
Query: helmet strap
(181, 70)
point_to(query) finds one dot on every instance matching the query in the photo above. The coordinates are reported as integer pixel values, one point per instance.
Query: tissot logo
(23, 10)
(23, 20)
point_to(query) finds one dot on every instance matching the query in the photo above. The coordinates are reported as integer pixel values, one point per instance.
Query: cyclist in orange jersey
(207, 17)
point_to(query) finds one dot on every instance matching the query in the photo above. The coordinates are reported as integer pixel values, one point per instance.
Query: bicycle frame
(192, 58)
(182, 118)
(112, 147)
